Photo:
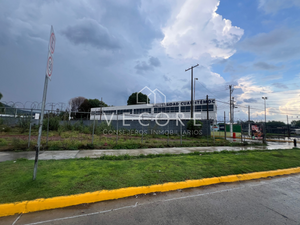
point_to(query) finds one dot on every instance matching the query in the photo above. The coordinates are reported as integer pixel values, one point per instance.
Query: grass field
(73, 140)
(73, 176)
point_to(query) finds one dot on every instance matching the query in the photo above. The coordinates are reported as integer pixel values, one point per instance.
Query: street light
(265, 98)
(265, 130)
(194, 91)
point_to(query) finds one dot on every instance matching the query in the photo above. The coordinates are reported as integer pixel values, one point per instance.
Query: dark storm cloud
(280, 85)
(278, 45)
(265, 41)
(154, 62)
(90, 32)
(97, 42)
(143, 66)
(266, 66)
(250, 100)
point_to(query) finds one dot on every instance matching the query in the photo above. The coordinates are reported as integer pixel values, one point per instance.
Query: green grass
(73, 140)
(73, 176)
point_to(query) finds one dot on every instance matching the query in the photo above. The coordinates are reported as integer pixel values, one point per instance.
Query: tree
(275, 124)
(295, 123)
(84, 109)
(94, 103)
(76, 103)
(1, 95)
(142, 99)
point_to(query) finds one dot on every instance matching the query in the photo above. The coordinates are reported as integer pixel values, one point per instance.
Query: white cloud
(197, 31)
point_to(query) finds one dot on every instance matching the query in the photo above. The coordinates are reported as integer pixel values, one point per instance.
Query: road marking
(17, 219)
(172, 199)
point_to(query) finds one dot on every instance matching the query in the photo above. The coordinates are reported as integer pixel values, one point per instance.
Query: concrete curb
(97, 196)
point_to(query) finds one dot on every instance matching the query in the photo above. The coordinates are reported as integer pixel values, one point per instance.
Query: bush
(53, 123)
(3, 142)
(6, 129)
(99, 129)
(24, 123)
(195, 130)
(67, 126)
(19, 144)
(78, 126)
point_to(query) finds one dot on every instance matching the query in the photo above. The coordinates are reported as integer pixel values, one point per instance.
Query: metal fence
(63, 129)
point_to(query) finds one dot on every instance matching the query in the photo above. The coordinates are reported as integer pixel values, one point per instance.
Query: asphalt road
(266, 201)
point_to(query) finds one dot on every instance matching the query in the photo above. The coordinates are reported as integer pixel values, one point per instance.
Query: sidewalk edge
(97, 196)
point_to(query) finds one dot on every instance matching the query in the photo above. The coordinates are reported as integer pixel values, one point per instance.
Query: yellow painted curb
(97, 196)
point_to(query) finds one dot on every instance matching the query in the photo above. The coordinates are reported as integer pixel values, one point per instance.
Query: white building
(171, 110)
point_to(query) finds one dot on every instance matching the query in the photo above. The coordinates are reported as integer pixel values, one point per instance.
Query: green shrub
(195, 130)
(67, 126)
(24, 123)
(19, 144)
(78, 126)
(86, 130)
(3, 142)
(100, 128)
(53, 123)
(6, 129)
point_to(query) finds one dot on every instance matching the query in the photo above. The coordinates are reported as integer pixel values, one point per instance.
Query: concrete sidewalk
(72, 154)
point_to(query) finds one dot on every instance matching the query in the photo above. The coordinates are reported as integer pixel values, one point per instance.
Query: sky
(110, 49)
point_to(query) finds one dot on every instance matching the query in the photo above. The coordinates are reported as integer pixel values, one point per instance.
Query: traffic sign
(49, 68)
(52, 41)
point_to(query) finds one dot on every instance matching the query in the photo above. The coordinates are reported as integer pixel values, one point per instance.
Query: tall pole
(265, 127)
(287, 118)
(230, 119)
(207, 115)
(225, 124)
(195, 92)
(48, 75)
(249, 131)
(192, 100)
(40, 128)
(70, 110)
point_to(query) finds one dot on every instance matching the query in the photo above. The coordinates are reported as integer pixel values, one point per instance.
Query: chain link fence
(67, 130)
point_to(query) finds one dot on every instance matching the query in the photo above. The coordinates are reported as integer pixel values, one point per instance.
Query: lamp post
(265, 130)
(194, 92)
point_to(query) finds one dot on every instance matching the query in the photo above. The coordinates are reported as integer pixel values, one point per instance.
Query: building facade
(169, 110)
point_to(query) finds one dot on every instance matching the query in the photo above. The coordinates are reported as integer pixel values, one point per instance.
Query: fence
(19, 130)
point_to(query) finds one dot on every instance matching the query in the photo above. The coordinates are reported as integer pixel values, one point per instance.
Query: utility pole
(230, 119)
(225, 124)
(287, 118)
(194, 92)
(265, 130)
(101, 110)
(208, 124)
(70, 110)
(207, 107)
(249, 131)
(192, 101)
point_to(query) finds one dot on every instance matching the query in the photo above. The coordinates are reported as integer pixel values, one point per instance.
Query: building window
(109, 112)
(139, 111)
(210, 107)
(198, 108)
(185, 108)
(124, 111)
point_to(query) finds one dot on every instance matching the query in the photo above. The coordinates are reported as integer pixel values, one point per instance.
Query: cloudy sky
(113, 48)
